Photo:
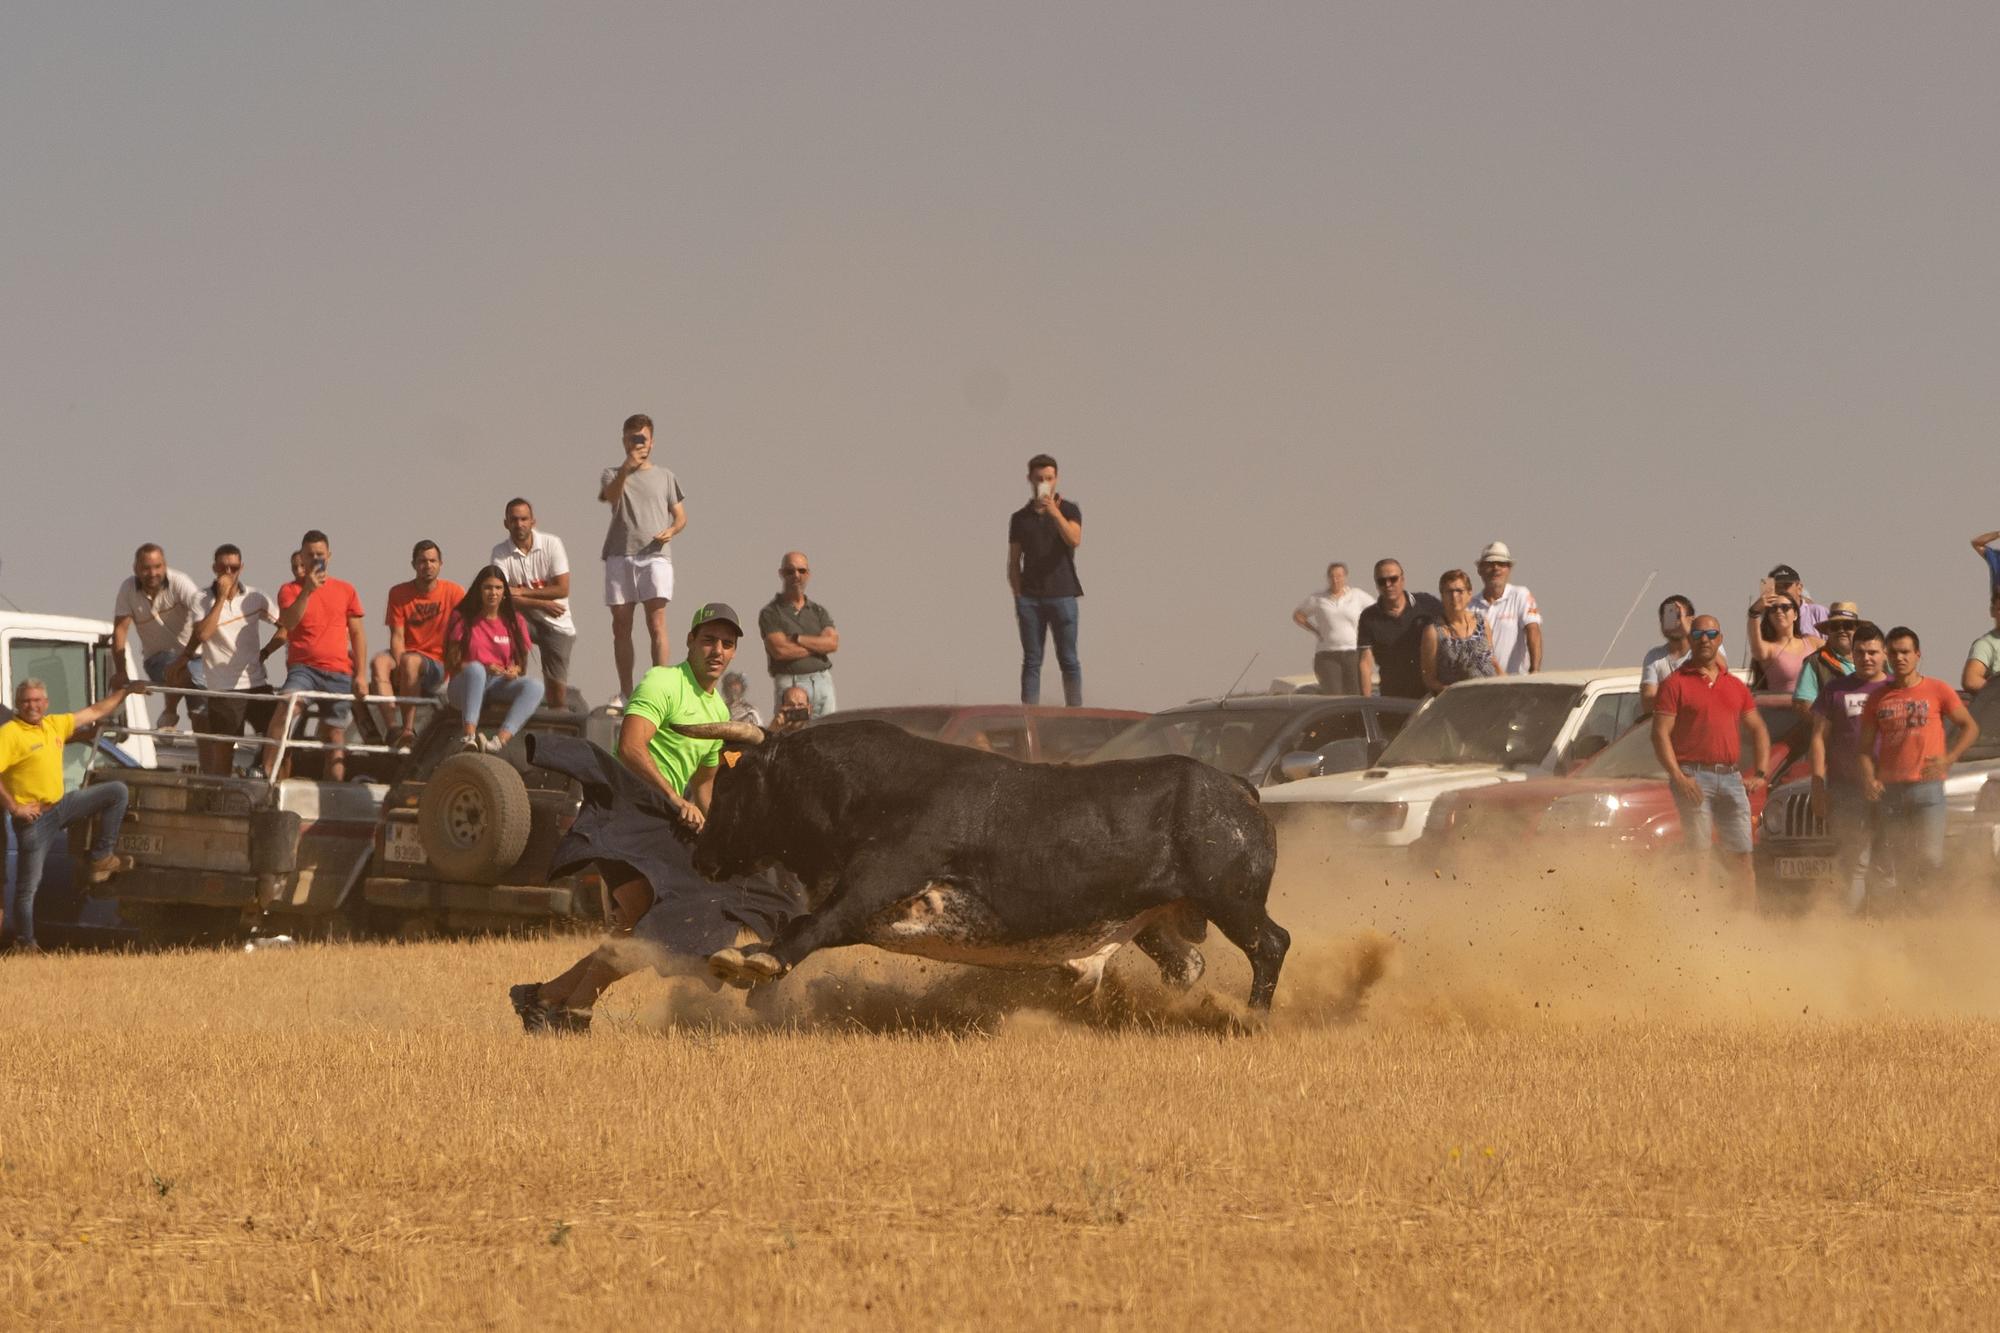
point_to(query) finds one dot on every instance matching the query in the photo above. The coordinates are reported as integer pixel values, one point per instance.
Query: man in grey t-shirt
(647, 512)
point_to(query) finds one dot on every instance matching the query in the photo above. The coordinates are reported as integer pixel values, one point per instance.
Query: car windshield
(1631, 755)
(1485, 724)
(1232, 739)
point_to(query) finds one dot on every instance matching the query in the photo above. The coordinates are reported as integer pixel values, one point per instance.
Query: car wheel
(473, 818)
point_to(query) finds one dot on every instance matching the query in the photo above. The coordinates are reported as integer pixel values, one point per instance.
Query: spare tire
(473, 818)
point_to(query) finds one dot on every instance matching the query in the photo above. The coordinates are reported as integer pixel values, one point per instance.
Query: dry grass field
(1562, 1107)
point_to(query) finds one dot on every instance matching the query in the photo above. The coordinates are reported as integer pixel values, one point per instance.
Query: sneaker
(474, 744)
(527, 1001)
(105, 867)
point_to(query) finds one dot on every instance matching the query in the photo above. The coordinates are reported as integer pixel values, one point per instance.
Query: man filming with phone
(326, 650)
(1042, 537)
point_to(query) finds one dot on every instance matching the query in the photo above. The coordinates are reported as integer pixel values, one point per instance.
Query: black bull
(929, 849)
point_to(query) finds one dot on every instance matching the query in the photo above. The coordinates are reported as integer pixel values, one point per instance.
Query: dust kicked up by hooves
(1611, 941)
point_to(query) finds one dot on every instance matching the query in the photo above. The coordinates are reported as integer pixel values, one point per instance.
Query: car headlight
(1377, 816)
(1584, 811)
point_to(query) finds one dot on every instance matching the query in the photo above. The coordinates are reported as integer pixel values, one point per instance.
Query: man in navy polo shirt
(1698, 719)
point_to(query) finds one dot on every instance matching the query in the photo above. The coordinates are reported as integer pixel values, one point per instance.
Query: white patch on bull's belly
(951, 924)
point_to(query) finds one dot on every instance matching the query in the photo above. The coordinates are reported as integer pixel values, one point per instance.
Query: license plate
(142, 844)
(1805, 867)
(403, 845)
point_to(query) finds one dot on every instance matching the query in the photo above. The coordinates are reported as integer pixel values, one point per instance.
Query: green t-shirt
(670, 694)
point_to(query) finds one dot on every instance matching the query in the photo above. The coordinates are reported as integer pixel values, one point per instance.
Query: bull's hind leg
(1263, 941)
(1180, 963)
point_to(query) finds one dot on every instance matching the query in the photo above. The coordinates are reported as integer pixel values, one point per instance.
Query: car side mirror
(1300, 764)
(1375, 749)
(1345, 756)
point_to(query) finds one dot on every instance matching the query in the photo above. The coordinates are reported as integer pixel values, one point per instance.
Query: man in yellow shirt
(31, 789)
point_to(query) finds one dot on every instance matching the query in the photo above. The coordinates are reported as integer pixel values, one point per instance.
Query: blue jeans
(1721, 815)
(1850, 820)
(1055, 616)
(473, 683)
(818, 686)
(34, 840)
(1912, 830)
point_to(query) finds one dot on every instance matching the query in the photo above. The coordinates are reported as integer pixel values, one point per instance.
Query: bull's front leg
(865, 889)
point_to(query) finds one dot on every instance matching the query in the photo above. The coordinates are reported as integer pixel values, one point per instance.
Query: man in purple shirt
(1837, 796)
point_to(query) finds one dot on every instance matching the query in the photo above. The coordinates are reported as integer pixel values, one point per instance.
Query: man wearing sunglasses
(1391, 633)
(226, 639)
(1699, 717)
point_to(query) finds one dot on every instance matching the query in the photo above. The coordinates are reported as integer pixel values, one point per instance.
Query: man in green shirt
(682, 768)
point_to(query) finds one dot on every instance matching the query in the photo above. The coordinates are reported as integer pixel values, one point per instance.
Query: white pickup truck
(1478, 732)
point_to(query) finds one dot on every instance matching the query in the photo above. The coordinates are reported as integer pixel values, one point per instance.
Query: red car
(1044, 734)
(1618, 796)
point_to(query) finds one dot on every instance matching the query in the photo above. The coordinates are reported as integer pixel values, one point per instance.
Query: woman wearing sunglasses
(1457, 646)
(1777, 650)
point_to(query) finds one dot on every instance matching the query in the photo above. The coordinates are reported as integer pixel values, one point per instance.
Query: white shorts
(637, 578)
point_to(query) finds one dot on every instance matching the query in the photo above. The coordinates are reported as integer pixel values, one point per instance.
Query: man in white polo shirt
(158, 602)
(537, 570)
(1513, 621)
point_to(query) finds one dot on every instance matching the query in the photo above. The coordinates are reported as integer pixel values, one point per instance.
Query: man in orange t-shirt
(326, 647)
(1904, 758)
(418, 610)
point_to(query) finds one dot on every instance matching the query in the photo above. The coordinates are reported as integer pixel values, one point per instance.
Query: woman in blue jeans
(486, 656)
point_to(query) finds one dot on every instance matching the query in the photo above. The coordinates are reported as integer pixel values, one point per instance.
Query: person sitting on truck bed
(159, 603)
(418, 610)
(226, 638)
(31, 788)
(486, 651)
(326, 649)
(656, 894)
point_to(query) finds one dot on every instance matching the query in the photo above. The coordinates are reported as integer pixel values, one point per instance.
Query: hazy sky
(1689, 288)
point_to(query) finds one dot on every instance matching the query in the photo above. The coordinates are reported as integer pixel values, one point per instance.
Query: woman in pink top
(486, 655)
(1777, 651)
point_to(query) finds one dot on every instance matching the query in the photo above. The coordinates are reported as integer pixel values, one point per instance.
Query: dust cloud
(1584, 939)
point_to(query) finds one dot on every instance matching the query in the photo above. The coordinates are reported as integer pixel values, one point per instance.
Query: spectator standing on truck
(537, 568)
(1392, 635)
(159, 603)
(665, 903)
(1778, 652)
(226, 637)
(1834, 659)
(648, 510)
(1456, 645)
(799, 637)
(1904, 758)
(326, 650)
(1987, 544)
(1513, 618)
(1333, 617)
(736, 693)
(1699, 716)
(1982, 660)
(1785, 581)
(1042, 538)
(31, 789)
(486, 654)
(414, 664)
(1837, 797)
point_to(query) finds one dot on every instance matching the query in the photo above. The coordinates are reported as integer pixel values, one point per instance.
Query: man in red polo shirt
(1699, 716)
(1903, 759)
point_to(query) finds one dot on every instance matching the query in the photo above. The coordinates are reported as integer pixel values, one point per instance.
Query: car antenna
(1239, 678)
(1628, 617)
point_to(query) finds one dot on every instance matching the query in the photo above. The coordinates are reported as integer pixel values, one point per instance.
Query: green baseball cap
(716, 611)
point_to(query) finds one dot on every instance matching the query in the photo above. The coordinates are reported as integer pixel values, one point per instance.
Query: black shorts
(256, 706)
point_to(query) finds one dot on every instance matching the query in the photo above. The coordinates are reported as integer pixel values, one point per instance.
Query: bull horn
(734, 733)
